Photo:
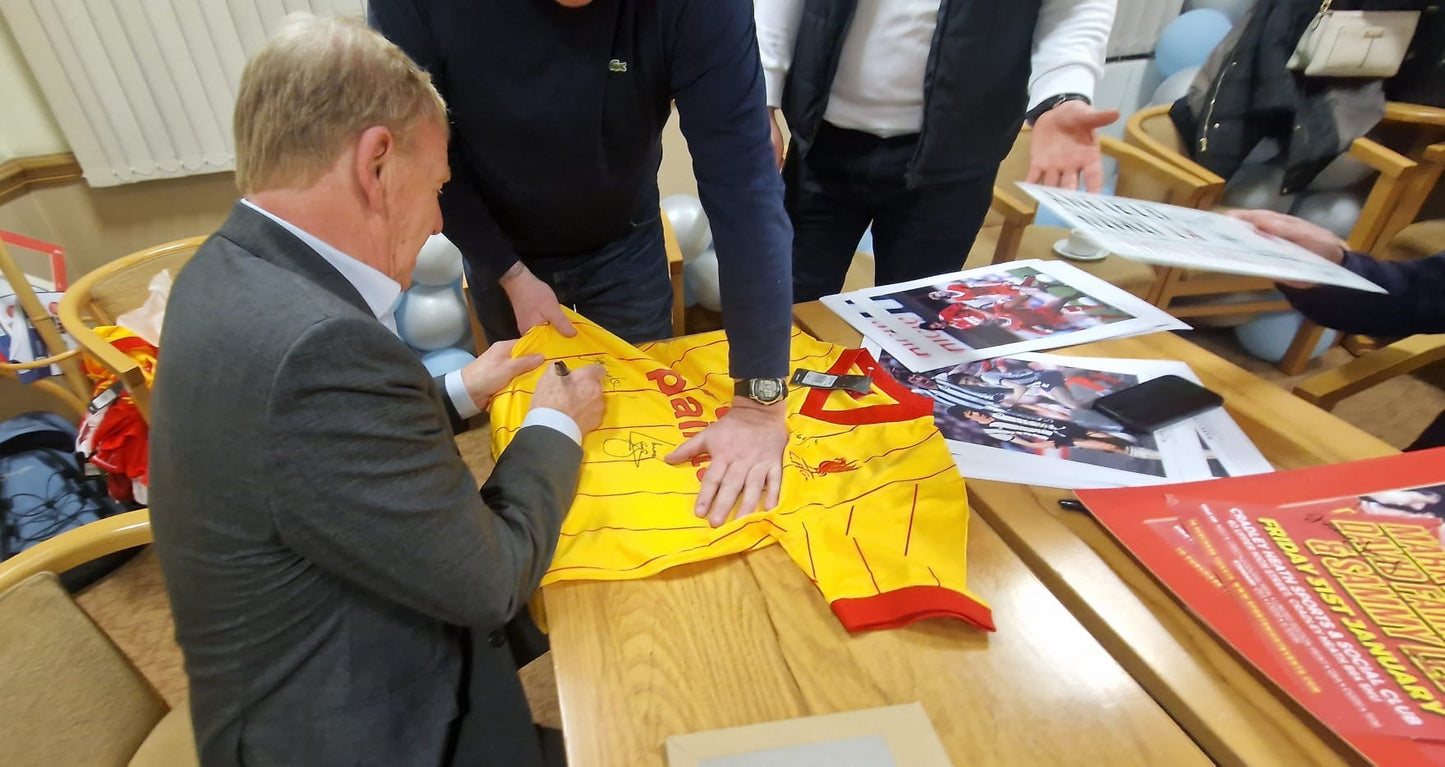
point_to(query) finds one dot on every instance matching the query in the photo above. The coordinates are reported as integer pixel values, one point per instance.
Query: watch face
(767, 389)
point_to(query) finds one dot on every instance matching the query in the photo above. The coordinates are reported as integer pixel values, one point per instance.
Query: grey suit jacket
(327, 553)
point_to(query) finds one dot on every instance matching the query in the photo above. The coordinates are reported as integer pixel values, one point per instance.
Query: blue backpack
(44, 490)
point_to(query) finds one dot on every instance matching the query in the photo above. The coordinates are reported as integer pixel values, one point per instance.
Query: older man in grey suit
(329, 558)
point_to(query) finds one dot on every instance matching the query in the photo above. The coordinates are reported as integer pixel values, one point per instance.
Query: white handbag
(1354, 43)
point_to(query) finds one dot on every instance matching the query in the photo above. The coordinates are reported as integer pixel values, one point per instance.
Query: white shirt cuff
(773, 84)
(457, 391)
(1070, 78)
(553, 419)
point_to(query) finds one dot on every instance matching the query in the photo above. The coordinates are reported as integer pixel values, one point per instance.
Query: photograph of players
(994, 311)
(1027, 419)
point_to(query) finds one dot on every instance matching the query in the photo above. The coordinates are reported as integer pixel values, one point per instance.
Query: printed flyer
(1330, 580)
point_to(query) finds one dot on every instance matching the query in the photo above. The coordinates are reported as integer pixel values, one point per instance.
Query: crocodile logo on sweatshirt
(616, 65)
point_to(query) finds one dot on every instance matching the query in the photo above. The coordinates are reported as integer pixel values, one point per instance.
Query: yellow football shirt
(872, 508)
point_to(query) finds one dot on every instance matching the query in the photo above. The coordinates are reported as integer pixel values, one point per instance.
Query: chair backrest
(70, 697)
(1151, 130)
(101, 296)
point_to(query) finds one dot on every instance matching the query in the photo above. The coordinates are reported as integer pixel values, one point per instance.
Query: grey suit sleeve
(371, 488)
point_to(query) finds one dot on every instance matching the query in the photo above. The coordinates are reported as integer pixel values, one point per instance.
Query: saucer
(1059, 248)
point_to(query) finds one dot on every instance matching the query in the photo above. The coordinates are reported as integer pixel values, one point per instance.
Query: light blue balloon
(689, 295)
(865, 244)
(443, 361)
(1047, 217)
(1188, 40)
(1234, 9)
(1268, 336)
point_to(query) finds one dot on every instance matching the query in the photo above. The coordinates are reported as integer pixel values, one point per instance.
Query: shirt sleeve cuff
(773, 83)
(553, 419)
(1072, 78)
(457, 391)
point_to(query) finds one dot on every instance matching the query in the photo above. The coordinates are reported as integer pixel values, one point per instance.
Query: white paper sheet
(1156, 233)
(994, 311)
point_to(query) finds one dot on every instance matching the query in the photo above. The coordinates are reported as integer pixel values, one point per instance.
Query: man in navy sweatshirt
(557, 110)
(1414, 301)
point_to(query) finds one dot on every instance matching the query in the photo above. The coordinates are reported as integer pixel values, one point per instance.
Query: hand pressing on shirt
(1065, 146)
(490, 373)
(533, 301)
(746, 449)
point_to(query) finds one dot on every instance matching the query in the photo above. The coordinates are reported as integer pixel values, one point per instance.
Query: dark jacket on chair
(975, 85)
(328, 556)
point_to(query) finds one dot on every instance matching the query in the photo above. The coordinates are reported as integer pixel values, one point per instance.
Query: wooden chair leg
(1297, 356)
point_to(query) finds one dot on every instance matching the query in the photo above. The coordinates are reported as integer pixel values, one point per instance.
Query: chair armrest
(76, 547)
(1328, 388)
(1414, 114)
(1186, 189)
(1015, 208)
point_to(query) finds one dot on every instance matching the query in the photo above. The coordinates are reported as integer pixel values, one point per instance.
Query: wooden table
(749, 639)
(1235, 718)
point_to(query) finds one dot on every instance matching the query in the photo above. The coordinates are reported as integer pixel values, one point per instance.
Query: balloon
(701, 275)
(865, 243)
(1189, 39)
(1335, 211)
(1257, 187)
(1234, 9)
(1047, 217)
(1343, 172)
(1268, 336)
(1266, 150)
(438, 263)
(689, 295)
(443, 361)
(1174, 86)
(433, 317)
(689, 224)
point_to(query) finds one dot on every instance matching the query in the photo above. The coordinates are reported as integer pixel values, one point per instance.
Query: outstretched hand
(746, 446)
(1065, 146)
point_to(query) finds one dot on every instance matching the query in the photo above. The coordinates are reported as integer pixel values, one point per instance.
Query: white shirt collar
(379, 291)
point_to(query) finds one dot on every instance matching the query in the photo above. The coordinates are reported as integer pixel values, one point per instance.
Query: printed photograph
(1032, 407)
(1006, 307)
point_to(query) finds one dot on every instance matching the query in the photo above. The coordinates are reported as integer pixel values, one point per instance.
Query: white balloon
(1343, 172)
(432, 317)
(1266, 150)
(1174, 86)
(1335, 211)
(689, 224)
(1257, 187)
(1234, 9)
(701, 276)
(438, 263)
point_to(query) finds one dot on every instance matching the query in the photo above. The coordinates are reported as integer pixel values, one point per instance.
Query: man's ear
(375, 151)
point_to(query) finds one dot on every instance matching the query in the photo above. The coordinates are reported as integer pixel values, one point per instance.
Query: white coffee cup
(1080, 245)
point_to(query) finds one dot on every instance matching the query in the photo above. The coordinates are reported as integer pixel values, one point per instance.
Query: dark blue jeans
(622, 286)
(851, 179)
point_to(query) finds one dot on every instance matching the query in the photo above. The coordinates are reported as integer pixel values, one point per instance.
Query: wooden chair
(72, 387)
(1141, 176)
(1407, 355)
(71, 696)
(106, 293)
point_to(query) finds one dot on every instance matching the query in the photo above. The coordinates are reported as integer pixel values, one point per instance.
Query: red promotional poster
(1330, 580)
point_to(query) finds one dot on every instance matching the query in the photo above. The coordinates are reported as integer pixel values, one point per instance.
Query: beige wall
(27, 127)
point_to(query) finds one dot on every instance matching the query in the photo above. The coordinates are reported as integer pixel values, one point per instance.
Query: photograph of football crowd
(1032, 407)
(1006, 307)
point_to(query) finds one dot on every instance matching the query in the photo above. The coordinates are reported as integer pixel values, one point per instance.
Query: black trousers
(850, 179)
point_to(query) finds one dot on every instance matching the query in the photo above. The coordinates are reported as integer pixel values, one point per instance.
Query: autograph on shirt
(636, 447)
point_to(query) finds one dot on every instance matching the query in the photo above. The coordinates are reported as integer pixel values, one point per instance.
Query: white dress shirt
(381, 294)
(878, 87)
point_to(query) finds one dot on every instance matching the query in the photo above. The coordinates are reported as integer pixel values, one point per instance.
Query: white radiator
(1137, 25)
(143, 89)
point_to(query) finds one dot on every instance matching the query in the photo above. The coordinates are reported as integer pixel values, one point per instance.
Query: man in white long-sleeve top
(901, 110)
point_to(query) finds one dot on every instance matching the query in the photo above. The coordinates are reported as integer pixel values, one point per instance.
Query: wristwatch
(764, 391)
(1051, 102)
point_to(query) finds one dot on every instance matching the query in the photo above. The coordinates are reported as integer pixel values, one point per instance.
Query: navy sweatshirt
(1415, 302)
(557, 117)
